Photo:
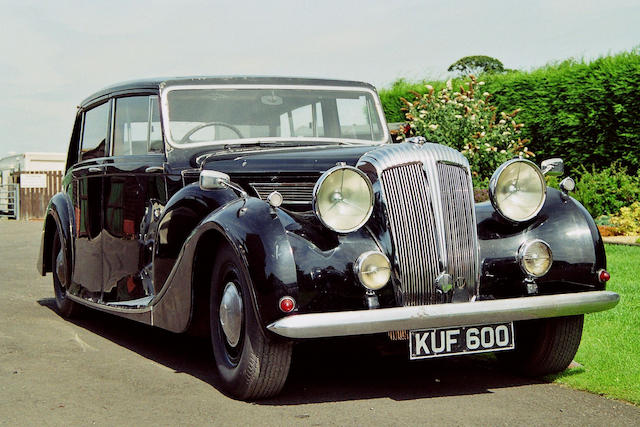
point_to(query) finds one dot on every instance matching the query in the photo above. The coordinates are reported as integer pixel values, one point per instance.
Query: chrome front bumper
(317, 325)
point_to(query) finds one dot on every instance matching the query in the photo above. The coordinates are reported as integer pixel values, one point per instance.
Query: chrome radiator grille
(460, 231)
(412, 229)
(427, 200)
(292, 192)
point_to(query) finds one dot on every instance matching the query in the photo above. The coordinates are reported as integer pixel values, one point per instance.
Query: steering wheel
(187, 136)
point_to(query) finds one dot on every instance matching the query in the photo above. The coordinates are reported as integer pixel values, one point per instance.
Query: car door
(87, 186)
(134, 193)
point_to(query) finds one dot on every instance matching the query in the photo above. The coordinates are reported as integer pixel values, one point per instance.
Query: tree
(477, 64)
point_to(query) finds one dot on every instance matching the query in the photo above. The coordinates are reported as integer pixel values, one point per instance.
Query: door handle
(152, 169)
(94, 169)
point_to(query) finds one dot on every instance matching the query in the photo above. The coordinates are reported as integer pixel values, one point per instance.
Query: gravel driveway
(107, 371)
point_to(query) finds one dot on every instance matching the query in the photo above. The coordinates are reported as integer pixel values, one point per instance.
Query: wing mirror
(212, 180)
(553, 167)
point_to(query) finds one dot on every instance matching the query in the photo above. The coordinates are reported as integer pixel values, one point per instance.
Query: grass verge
(610, 349)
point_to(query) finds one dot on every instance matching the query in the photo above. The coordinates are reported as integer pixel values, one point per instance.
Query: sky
(54, 54)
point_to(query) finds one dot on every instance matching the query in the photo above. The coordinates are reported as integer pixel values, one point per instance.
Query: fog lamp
(373, 270)
(535, 257)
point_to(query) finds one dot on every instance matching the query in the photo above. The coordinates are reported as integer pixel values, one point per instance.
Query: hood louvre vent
(293, 193)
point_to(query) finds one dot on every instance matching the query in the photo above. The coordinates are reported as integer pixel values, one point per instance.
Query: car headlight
(343, 199)
(535, 257)
(517, 190)
(373, 270)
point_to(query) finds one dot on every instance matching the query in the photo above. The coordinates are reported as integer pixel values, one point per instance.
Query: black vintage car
(266, 211)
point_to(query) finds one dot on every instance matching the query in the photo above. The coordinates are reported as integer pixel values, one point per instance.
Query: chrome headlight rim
(493, 182)
(523, 250)
(318, 185)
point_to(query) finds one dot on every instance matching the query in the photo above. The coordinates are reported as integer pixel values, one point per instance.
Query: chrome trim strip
(359, 322)
(110, 308)
(164, 106)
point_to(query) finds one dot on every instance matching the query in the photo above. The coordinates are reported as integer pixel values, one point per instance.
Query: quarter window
(94, 133)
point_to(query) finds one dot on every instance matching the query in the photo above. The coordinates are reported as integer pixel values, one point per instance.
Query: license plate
(440, 342)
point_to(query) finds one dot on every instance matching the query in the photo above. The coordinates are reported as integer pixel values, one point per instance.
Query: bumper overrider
(360, 322)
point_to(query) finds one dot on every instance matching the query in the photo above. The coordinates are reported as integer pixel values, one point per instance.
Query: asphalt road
(106, 371)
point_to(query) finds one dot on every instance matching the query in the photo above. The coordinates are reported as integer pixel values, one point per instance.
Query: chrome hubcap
(61, 268)
(231, 314)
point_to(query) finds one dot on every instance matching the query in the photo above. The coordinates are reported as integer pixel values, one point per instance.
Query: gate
(36, 189)
(10, 201)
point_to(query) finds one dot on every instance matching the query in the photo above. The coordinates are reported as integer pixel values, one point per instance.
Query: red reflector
(604, 276)
(287, 304)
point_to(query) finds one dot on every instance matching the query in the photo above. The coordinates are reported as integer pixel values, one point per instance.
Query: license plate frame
(459, 340)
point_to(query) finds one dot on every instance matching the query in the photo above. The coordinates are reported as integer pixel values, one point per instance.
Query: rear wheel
(544, 346)
(61, 279)
(251, 366)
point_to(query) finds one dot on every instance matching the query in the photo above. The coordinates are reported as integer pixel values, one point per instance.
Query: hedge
(588, 113)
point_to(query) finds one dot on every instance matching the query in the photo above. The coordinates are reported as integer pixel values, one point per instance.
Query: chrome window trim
(164, 106)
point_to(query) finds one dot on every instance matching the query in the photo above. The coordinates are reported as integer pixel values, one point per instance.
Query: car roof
(157, 83)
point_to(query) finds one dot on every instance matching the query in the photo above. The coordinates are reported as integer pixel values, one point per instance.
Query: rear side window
(94, 132)
(137, 126)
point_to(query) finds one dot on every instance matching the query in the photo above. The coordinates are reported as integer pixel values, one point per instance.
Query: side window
(94, 132)
(136, 127)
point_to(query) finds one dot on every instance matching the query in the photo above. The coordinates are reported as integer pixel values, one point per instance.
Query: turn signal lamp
(603, 275)
(287, 304)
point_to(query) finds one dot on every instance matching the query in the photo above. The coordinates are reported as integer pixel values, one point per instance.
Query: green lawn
(610, 348)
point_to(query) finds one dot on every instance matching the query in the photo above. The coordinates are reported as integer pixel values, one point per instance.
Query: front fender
(59, 214)
(578, 250)
(253, 230)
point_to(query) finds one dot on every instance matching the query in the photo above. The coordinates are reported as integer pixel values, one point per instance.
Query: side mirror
(212, 180)
(553, 167)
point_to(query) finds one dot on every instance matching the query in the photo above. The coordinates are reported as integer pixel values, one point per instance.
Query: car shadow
(322, 370)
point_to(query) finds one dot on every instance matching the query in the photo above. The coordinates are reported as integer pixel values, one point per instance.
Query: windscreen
(233, 115)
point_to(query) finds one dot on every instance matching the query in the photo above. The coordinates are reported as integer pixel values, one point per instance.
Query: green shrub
(465, 120)
(607, 190)
(584, 112)
(628, 220)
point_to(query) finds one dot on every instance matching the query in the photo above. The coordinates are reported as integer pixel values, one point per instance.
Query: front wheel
(544, 346)
(250, 365)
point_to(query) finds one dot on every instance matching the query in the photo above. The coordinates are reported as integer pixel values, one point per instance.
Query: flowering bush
(628, 220)
(469, 123)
